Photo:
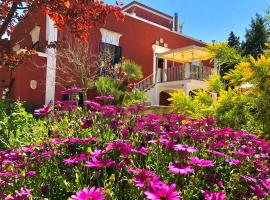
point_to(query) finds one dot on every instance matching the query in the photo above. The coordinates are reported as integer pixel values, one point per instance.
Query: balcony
(177, 73)
(183, 72)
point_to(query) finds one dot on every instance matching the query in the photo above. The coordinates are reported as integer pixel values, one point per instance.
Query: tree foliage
(122, 89)
(234, 41)
(256, 37)
(77, 15)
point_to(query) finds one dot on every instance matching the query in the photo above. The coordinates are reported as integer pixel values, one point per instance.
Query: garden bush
(113, 152)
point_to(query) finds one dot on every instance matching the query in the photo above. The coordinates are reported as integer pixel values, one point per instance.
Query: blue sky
(210, 19)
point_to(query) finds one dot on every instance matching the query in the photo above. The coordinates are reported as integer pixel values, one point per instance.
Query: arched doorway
(163, 99)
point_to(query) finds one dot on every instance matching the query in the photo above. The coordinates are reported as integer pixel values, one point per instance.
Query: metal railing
(180, 72)
(176, 73)
(146, 83)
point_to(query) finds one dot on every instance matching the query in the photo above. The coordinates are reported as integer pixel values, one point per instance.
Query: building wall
(24, 74)
(21, 34)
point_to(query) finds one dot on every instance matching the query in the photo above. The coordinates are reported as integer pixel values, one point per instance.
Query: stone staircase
(146, 84)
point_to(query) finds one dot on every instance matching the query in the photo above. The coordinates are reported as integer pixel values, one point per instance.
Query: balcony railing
(181, 72)
(176, 73)
(146, 83)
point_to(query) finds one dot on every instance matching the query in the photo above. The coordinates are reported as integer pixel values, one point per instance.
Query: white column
(154, 68)
(165, 70)
(51, 36)
(187, 70)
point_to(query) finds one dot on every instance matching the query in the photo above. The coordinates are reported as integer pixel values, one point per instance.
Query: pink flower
(214, 195)
(97, 153)
(162, 192)
(184, 148)
(266, 183)
(94, 105)
(249, 178)
(75, 159)
(92, 193)
(242, 154)
(233, 161)
(180, 168)
(30, 173)
(216, 153)
(143, 178)
(122, 146)
(44, 110)
(259, 191)
(23, 193)
(201, 162)
(99, 163)
(143, 151)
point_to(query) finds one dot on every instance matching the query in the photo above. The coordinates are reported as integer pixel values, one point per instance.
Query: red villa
(170, 60)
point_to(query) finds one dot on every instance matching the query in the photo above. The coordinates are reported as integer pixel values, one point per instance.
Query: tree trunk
(8, 19)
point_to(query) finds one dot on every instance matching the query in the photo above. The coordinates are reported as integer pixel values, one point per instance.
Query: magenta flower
(259, 191)
(94, 105)
(44, 110)
(184, 148)
(180, 168)
(97, 153)
(162, 192)
(249, 179)
(201, 162)
(92, 193)
(266, 183)
(99, 163)
(233, 161)
(216, 153)
(30, 173)
(143, 151)
(214, 195)
(143, 178)
(75, 159)
(21, 194)
(122, 146)
(71, 91)
(242, 154)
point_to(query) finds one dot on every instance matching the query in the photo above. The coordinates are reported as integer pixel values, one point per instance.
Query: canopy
(186, 54)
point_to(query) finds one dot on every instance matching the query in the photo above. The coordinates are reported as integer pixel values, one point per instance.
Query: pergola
(186, 54)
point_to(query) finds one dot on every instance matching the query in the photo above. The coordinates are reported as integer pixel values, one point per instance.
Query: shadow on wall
(163, 99)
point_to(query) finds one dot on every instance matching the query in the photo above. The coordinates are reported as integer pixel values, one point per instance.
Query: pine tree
(234, 41)
(256, 37)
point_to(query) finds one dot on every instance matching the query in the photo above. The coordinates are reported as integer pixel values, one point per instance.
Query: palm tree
(131, 70)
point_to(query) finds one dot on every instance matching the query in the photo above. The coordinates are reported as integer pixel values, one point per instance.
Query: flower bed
(119, 154)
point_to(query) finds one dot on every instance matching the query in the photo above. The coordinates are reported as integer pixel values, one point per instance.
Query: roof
(186, 54)
(137, 4)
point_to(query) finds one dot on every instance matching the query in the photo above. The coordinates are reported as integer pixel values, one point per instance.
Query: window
(111, 53)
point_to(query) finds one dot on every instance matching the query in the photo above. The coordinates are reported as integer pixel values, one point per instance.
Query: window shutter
(118, 54)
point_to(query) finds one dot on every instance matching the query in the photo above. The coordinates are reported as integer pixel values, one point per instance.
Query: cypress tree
(256, 37)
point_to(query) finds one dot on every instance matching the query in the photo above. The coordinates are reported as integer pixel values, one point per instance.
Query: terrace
(184, 68)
